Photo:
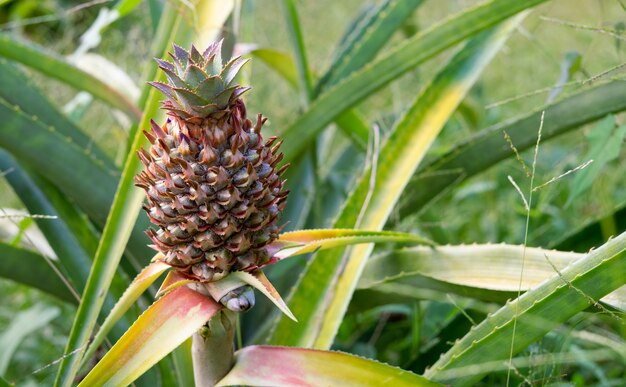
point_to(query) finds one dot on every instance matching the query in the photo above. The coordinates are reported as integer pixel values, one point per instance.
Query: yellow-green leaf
(305, 241)
(157, 332)
(489, 271)
(139, 285)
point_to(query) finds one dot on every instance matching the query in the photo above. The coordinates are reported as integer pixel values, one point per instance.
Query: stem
(212, 349)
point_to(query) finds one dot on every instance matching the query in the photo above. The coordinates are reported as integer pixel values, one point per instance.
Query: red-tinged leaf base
(158, 331)
(284, 366)
(173, 280)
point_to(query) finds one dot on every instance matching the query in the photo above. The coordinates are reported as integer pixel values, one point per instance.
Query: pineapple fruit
(214, 188)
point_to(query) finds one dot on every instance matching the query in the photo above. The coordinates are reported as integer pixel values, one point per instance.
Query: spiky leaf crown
(198, 84)
(214, 187)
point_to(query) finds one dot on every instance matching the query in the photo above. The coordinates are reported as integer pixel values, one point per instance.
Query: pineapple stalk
(212, 349)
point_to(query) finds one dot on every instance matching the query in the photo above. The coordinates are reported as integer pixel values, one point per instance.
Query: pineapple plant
(214, 187)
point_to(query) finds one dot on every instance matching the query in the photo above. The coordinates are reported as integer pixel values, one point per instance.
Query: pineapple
(214, 188)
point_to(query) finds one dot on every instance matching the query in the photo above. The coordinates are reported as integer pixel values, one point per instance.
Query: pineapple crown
(198, 84)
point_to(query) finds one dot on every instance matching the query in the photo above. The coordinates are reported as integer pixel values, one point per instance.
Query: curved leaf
(488, 147)
(490, 272)
(56, 67)
(164, 326)
(64, 239)
(65, 160)
(262, 365)
(534, 314)
(324, 291)
(29, 268)
(403, 58)
(18, 89)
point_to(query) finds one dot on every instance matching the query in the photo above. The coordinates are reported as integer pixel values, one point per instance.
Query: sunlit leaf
(164, 326)
(132, 293)
(306, 241)
(490, 272)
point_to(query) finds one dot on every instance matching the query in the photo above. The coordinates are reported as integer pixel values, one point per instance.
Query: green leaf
(486, 148)
(22, 226)
(163, 327)
(354, 125)
(73, 169)
(64, 160)
(262, 365)
(324, 291)
(56, 67)
(280, 62)
(124, 7)
(139, 285)
(295, 35)
(23, 324)
(605, 141)
(350, 122)
(592, 233)
(18, 89)
(58, 233)
(183, 364)
(301, 181)
(29, 268)
(488, 272)
(534, 314)
(58, 139)
(367, 39)
(4, 383)
(380, 73)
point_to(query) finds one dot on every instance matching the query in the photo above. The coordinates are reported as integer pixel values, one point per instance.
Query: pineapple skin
(214, 187)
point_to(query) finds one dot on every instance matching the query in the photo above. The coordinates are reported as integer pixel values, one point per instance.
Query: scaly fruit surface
(214, 188)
